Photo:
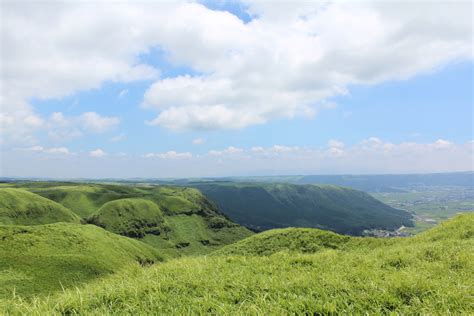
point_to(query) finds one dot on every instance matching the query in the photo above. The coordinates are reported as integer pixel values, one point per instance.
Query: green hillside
(304, 240)
(87, 198)
(430, 273)
(130, 217)
(263, 206)
(44, 258)
(175, 220)
(20, 207)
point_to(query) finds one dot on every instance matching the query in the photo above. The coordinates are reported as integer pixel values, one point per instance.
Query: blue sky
(424, 108)
(238, 88)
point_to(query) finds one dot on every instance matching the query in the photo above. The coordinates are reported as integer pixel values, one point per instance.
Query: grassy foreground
(41, 259)
(427, 274)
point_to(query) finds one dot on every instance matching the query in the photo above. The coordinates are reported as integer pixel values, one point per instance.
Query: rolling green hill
(304, 240)
(20, 207)
(262, 206)
(44, 258)
(175, 220)
(130, 217)
(430, 273)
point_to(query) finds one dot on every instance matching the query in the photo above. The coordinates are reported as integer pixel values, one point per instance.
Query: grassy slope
(130, 217)
(428, 274)
(192, 224)
(43, 258)
(20, 207)
(265, 206)
(304, 240)
(194, 234)
(86, 199)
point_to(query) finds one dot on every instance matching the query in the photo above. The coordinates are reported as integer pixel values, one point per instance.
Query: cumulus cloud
(231, 150)
(51, 150)
(335, 143)
(18, 122)
(54, 49)
(283, 149)
(64, 128)
(95, 123)
(292, 57)
(169, 155)
(372, 155)
(273, 151)
(441, 143)
(97, 153)
(286, 62)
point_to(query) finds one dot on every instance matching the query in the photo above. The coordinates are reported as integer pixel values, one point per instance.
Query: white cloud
(95, 123)
(335, 152)
(371, 155)
(58, 150)
(257, 149)
(198, 141)
(54, 49)
(293, 57)
(51, 150)
(62, 128)
(169, 155)
(441, 143)
(97, 153)
(283, 149)
(228, 151)
(287, 62)
(366, 156)
(335, 143)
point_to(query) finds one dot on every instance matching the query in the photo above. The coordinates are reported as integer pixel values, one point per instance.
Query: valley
(430, 205)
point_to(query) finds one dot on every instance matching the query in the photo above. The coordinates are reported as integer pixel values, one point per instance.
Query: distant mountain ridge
(263, 206)
(364, 182)
(368, 183)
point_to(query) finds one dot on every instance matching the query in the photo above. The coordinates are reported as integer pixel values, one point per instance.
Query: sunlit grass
(427, 274)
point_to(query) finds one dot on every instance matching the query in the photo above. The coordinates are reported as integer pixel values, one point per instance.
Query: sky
(116, 89)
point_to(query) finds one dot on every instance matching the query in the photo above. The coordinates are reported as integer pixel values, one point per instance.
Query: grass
(430, 273)
(130, 217)
(68, 268)
(86, 199)
(305, 240)
(45, 258)
(20, 207)
(194, 235)
(176, 220)
(263, 206)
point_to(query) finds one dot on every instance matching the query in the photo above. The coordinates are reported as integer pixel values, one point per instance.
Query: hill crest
(20, 207)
